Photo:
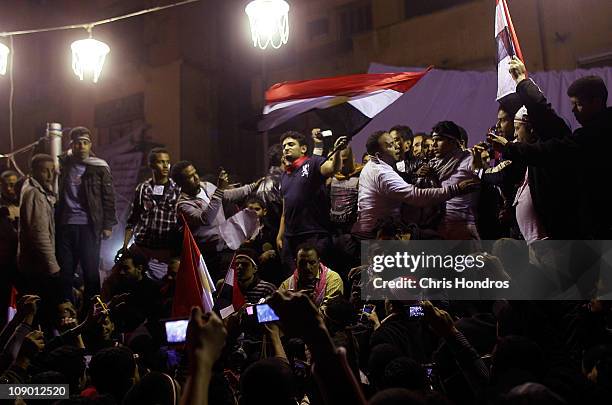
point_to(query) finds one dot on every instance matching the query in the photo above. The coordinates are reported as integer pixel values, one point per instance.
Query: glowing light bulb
(4, 54)
(269, 21)
(88, 57)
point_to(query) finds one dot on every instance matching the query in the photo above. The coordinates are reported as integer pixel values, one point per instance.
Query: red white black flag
(230, 297)
(353, 99)
(194, 286)
(507, 47)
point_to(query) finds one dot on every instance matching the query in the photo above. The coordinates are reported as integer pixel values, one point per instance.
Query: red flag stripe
(347, 86)
(515, 41)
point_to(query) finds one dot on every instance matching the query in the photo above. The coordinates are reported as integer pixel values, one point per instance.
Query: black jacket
(554, 178)
(99, 193)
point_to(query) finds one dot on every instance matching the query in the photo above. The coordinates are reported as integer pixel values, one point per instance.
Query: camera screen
(176, 331)
(416, 311)
(265, 313)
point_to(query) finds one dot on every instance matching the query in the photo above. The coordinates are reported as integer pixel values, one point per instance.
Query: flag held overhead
(507, 47)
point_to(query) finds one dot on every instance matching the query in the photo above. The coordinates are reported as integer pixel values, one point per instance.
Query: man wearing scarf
(320, 283)
(305, 216)
(452, 164)
(85, 212)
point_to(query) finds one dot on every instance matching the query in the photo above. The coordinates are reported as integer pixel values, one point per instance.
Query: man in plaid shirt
(152, 221)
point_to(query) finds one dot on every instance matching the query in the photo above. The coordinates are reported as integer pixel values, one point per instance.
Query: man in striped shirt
(252, 287)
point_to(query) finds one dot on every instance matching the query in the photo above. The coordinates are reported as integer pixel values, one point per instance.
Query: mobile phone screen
(415, 311)
(265, 313)
(176, 331)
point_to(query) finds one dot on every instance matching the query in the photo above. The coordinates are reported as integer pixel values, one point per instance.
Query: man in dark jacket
(553, 163)
(85, 213)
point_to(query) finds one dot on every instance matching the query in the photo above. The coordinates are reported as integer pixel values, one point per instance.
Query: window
(415, 8)
(354, 18)
(318, 28)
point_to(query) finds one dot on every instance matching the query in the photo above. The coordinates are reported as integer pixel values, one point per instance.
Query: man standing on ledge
(85, 213)
(152, 220)
(305, 203)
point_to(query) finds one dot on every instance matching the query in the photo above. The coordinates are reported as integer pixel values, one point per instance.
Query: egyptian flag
(344, 102)
(507, 47)
(194, 286)
(230, 298)
(12, 305)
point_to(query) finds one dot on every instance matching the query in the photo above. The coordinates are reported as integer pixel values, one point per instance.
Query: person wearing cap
(502, 181)
(252, 287)
(452, 164)
(549, 174)
(85, 212)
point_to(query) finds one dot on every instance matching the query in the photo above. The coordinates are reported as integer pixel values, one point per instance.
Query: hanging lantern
(4, 53)
(269, 21)
(88, 57)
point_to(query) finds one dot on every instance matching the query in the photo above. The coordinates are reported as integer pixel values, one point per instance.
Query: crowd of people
(530, 180)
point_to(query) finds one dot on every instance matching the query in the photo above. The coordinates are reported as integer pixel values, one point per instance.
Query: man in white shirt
(382, 190)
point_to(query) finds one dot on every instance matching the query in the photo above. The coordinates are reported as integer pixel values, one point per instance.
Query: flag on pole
(230, 297)
(352, 101)
(507, 47)
(194, 286)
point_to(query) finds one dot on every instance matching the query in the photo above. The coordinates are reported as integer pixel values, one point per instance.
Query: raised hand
(517, 69)
(297, 313)
(439, 320)
(205, 336)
